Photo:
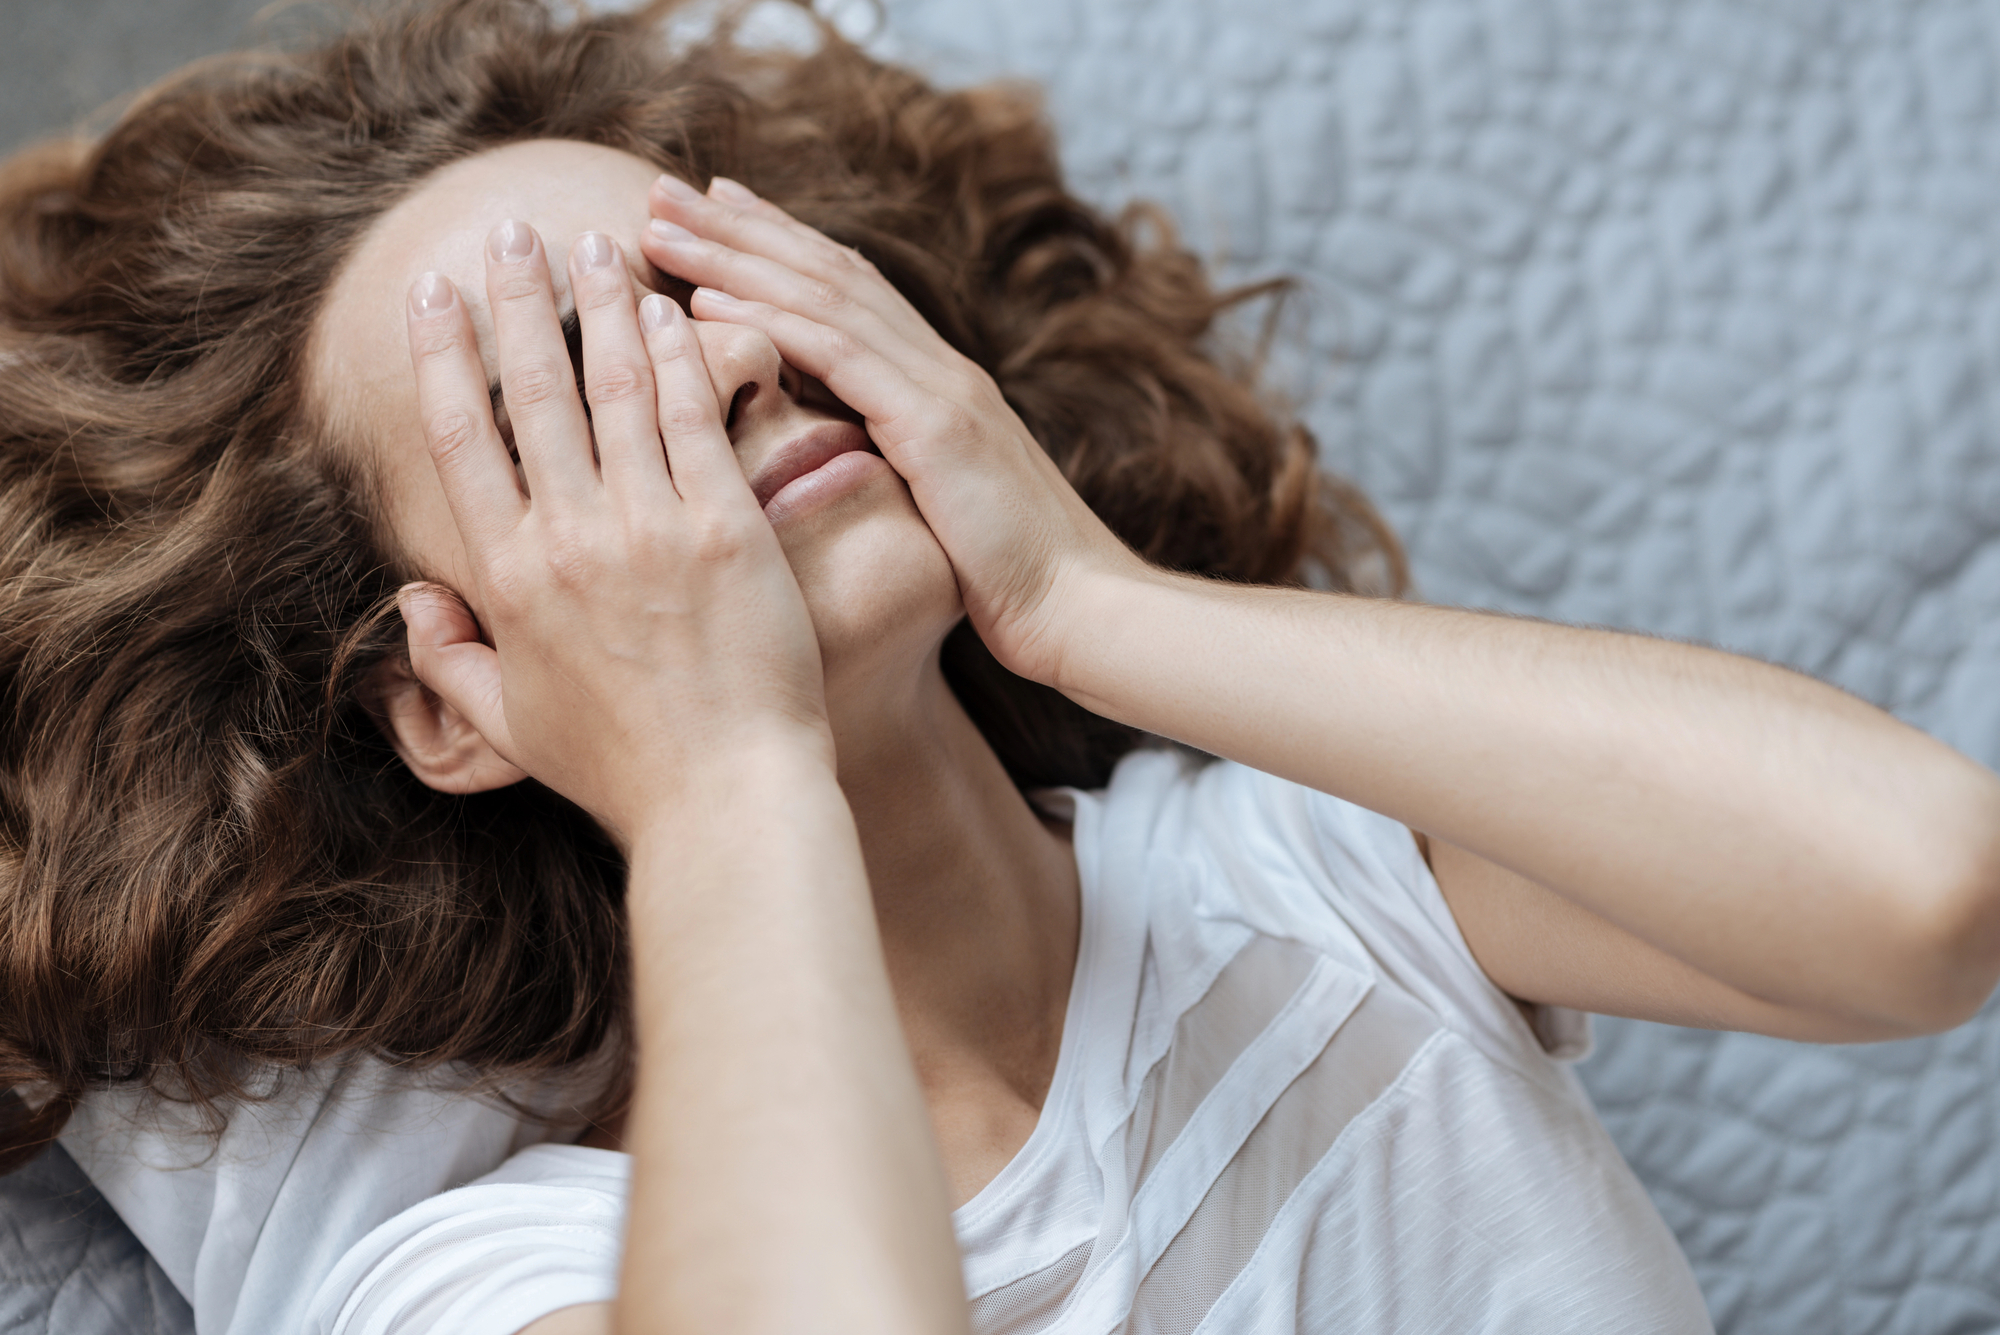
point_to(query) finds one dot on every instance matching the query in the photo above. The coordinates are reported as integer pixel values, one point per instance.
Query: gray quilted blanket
(1670, 314)
(69, 1267)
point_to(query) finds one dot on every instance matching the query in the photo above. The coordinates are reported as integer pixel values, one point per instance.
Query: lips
(804, 454)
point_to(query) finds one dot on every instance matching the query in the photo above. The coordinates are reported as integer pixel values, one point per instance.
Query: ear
(438, 743)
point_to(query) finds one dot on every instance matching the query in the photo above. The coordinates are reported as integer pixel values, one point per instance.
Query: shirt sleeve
(540, 1233)
(1390, 896)
(1368, 870)
(358, 1198)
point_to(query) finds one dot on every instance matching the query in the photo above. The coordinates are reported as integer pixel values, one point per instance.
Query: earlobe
(439, 744)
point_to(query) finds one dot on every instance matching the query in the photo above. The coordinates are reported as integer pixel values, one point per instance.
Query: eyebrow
(572, 332)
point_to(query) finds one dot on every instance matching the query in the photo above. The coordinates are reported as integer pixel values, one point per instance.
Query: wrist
(1100, 620)
(1056, 646)
(715, 789)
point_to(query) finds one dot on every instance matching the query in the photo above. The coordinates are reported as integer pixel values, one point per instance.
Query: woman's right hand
(639, 617)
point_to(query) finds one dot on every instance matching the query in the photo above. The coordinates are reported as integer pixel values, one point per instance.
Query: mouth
(806, 453)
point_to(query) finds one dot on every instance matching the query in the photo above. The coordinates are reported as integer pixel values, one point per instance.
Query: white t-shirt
(1287, 1100)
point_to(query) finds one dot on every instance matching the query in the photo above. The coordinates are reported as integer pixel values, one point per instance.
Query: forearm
(1769, 830)
(784, 1175)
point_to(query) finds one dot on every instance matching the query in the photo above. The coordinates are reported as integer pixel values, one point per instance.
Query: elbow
(1951, 957)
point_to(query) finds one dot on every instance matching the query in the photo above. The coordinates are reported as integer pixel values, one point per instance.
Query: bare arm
(1756, 849)
(1622, 823)
(783, 1176)
(1539, 946)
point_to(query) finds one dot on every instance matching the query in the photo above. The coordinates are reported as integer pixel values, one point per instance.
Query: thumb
(449, 658)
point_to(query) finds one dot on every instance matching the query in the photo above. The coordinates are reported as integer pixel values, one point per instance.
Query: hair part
(211, 861)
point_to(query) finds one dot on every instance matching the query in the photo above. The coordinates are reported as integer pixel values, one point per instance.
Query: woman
(1205, 1044)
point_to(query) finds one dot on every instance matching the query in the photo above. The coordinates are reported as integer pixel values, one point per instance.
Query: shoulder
(1289, 861)
(1288, 858)
(248, 1208)
(541, 1232)
(1299, 961)
(1178, 799)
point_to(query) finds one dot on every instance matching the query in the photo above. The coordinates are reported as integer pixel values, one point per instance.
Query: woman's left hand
(1022, 543)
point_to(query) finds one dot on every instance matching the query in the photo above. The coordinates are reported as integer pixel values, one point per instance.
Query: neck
(975, 894)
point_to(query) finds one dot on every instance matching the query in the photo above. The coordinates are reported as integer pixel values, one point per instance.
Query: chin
(880, 589)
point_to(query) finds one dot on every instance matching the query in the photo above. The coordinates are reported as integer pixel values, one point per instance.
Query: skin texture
(829, 868)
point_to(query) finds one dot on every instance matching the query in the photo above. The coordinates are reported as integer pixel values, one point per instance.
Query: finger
(617, 371)
(699, 454)
(836, 277)
(719, 268)
(449, 658)
(471, 459)
(537, 377)
(898, 410)
(731, 212)
(743, 197)
(738, 195)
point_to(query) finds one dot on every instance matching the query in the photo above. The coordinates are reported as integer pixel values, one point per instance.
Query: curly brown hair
(211, 862)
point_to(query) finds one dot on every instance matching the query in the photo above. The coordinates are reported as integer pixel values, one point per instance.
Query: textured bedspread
(1658, 313)
(68, 1266)
(1666, 314)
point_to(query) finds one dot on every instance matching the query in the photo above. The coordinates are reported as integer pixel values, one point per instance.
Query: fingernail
(431, 294)
(592, 250)
(679, 189)
(511, 242)
(672, 234)
(656, 312)
(719, 298)
(733, 191)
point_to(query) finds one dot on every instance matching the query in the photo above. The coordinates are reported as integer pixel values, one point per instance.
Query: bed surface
(68, 1266)
(1663, 314)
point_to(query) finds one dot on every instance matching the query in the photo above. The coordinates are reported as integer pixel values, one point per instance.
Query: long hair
(211, 862)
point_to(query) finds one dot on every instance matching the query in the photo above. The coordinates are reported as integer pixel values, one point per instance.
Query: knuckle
(951, 421)
(537, 382)
(681, 417)
(571, 555)
(959, 387)
(826, 296)
(718, 539)
(617, 380)
(843, 349)
(451, 431)
(971, 378)
(852, 261)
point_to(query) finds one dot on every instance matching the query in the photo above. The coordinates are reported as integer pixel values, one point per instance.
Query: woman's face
(879, 587)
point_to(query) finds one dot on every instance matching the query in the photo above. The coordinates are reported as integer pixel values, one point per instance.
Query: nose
(746, 370)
